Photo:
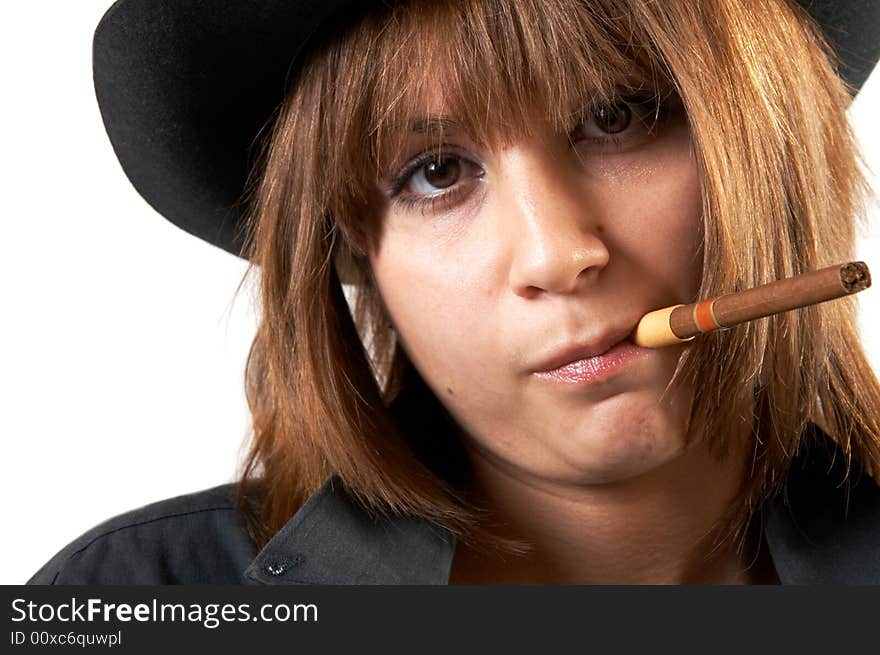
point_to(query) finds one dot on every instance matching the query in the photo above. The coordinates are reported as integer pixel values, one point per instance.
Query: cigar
(679, 323)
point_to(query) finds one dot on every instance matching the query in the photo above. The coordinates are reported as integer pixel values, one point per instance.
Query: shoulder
(190, 539)
(824, 528)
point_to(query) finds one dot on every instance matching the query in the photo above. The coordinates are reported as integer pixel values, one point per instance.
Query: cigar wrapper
(681, 323)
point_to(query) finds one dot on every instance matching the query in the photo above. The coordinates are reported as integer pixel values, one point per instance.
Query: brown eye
(442, 173)
(435, 175)
(612, 118)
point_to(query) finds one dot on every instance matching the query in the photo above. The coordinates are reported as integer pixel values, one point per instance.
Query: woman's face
(500, 265)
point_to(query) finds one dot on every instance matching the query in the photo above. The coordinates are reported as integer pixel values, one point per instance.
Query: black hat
(185, 86)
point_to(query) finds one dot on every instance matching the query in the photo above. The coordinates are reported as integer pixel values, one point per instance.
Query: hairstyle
(781, 192)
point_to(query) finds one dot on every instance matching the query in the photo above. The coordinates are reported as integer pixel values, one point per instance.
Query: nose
(551, 229)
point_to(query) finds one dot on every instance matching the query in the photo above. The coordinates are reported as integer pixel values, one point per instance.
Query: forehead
(496, 72)
(443, 105)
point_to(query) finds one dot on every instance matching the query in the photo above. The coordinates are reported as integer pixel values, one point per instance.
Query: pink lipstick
(594, 368)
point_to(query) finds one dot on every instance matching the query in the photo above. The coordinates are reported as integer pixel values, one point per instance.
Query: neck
(657, 528)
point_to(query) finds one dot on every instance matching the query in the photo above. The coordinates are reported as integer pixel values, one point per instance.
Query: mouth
(591, 361)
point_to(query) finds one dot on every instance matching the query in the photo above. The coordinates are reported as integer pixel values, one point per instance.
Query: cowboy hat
(185, 86)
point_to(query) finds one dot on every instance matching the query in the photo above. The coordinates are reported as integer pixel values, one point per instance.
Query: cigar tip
(855, 277)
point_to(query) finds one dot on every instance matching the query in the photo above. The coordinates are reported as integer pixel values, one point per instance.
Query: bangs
(501, 70)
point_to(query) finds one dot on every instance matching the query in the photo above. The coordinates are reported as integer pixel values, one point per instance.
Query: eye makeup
(624, 122)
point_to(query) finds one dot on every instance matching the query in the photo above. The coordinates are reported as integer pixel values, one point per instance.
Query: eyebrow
(434, 125)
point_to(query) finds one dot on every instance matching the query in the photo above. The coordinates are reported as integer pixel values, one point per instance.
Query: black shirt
(820, 529)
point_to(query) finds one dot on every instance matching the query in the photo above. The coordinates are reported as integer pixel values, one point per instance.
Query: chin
(624, 445)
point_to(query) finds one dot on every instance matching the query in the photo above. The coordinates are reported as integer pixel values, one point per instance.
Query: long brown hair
(781, 192)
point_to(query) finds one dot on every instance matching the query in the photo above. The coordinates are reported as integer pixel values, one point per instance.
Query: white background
(121, 344)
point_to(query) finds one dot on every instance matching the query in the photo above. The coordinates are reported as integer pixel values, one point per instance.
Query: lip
(572, 353)
(592, 361)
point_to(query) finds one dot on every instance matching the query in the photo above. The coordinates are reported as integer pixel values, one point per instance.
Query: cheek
(435, 296)
(655, 215)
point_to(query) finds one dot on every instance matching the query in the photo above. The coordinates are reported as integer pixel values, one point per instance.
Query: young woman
(505, 188)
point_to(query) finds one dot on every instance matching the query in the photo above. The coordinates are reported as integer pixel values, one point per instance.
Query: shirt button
(280, 567)
(275, 568)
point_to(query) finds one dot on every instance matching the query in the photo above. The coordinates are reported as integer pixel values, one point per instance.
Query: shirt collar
(333, 540)
(820, 529)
